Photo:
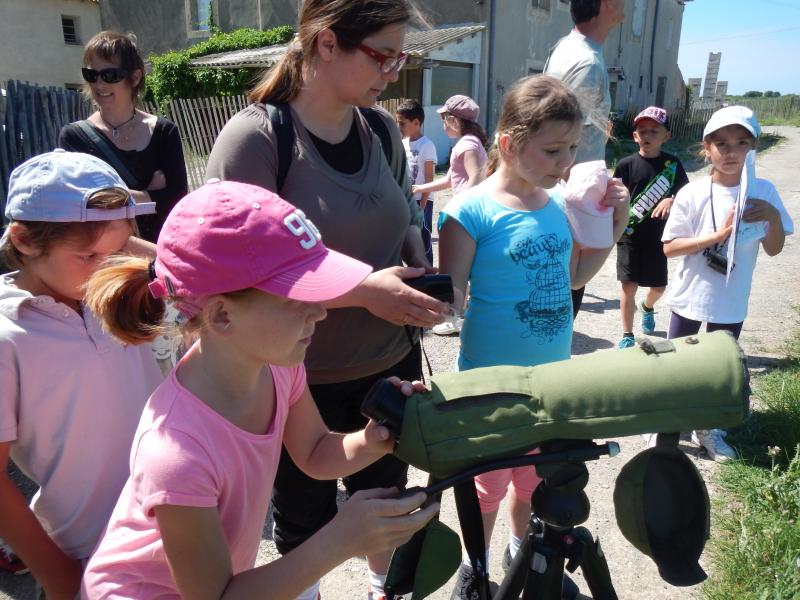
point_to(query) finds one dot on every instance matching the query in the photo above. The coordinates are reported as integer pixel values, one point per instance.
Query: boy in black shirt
(653, 178)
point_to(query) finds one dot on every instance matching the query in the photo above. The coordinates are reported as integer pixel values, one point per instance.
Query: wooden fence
(689, 124)
(200, 120)
(30, 118)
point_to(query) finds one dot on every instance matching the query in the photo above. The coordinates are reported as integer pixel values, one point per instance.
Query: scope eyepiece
(385, 404)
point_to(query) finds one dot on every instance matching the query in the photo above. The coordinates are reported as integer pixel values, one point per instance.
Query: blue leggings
(681, 327)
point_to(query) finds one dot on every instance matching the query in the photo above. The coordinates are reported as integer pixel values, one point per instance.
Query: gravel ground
(771, 319)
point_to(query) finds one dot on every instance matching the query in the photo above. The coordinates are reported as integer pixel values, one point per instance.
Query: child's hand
(661, 211)
(727, 227)
(377, 520)
(378, 438)
(617, 196)
(760, 210)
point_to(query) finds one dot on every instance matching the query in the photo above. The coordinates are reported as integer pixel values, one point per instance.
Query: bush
(173, 77)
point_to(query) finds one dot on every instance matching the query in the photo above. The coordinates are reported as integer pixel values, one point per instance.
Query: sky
(759, 41)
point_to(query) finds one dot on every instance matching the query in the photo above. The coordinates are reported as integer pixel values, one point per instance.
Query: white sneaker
(711, 440)
(449, 327)
(650, 439)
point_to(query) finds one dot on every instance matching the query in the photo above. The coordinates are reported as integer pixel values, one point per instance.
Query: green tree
(753, 94)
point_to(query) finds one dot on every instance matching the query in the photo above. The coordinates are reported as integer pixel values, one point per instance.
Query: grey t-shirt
(578, 61)
(364, 215)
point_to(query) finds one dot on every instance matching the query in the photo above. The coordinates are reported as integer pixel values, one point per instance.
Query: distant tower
(721, 92)
(712, 72)
(694, 84)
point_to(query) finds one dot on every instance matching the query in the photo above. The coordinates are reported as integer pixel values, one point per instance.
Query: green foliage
(756, 542)
(756, 547)
(173, 77)
(753, 94)
(212, 25)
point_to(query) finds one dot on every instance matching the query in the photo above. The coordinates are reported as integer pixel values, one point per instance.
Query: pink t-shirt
(458, 174)
(186, 454)
(70, 399)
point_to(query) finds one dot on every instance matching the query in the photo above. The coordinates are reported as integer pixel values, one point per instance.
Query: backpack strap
(378, 125)
(112, 158)
(280, 117)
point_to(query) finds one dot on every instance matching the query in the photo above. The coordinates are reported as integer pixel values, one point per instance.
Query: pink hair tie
(157, 289)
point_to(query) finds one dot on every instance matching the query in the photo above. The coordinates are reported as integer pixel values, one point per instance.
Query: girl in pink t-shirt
(249, 274)
(467, 167)
(468, 158)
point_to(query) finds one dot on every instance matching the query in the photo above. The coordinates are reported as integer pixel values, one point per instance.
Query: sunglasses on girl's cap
(110, 75)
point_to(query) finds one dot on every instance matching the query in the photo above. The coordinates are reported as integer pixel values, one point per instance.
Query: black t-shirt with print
(648, 180)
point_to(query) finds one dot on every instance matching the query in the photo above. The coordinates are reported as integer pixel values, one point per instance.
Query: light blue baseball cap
(55, 187)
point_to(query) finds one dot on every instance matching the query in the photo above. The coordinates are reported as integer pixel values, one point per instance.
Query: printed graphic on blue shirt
(546, 312)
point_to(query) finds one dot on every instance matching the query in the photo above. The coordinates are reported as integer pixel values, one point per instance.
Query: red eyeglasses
(387, 63)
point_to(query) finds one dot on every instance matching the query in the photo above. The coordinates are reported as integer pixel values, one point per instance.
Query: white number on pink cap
(300, 226)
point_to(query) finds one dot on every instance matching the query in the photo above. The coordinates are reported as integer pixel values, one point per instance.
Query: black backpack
(280, 116)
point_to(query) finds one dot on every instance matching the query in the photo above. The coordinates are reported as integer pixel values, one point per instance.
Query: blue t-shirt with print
(520, 308)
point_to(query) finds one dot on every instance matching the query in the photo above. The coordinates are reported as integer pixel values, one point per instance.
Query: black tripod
(552, 540)
(559, 504)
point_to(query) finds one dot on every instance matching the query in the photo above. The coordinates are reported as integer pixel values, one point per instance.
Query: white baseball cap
(733, 115)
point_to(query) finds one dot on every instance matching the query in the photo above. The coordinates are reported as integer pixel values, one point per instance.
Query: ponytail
(494, 160)
(118, 294)
(282, 82)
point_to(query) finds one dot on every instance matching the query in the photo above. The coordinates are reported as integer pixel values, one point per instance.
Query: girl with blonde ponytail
(188, 522)
(344, 55)
(509, 239)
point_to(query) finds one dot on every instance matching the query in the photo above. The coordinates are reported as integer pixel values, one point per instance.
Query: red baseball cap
(228, 236)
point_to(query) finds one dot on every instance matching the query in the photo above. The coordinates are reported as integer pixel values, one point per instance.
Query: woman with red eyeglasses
(344, 55)
(144, 149)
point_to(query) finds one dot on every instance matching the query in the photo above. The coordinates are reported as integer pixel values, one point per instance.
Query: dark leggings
(577, 300)
(681, 327)
(427, 213)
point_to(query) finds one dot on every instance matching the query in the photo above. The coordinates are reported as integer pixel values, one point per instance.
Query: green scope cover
(697, 382)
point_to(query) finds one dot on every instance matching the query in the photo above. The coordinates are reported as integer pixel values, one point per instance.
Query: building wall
(33, 47)
(162, 25)
(525, 34)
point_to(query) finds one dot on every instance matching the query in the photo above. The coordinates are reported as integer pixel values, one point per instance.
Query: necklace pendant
(114, 132)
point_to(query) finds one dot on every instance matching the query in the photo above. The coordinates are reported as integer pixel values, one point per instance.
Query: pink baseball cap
(228, 236)
(592, 223)
(656, 113)
(462, 107)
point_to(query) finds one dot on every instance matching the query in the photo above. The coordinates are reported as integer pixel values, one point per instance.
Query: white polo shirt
(70, 400)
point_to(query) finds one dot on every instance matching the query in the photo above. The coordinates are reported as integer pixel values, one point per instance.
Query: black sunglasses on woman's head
(110, 75)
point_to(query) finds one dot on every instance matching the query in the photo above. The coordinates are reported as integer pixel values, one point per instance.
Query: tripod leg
(545, 567)
(594, 566)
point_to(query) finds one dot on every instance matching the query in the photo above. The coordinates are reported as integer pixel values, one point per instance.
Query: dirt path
(775, 292)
